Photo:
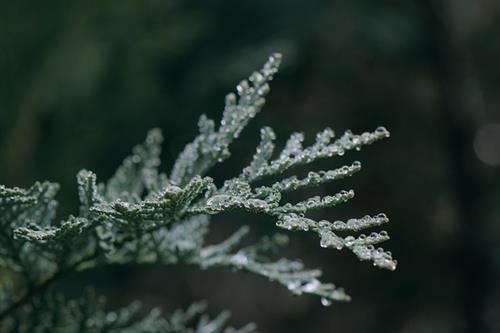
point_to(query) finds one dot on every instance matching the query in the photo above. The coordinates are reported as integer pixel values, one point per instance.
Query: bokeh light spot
(487, 144)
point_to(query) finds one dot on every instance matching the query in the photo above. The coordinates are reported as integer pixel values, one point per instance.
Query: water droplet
(242, 87)
(324, 224)
(339, 225)
(356, 164)
(263, 90)
(325, 301)
(230, 99)
(323, 243)
(311, 286)
(349, 241)
(259, 102)
(351, 222)
(257, 78)
(136, 159)
(382, 131)
(329, 239)
(218, 200)
(172, 189)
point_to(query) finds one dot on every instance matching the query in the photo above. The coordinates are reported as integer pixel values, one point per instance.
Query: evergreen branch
(142, 216)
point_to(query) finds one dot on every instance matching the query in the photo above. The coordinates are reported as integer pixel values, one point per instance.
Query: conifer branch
(143, 216)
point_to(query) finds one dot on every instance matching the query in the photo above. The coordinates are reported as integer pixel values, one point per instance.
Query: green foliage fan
(142, 215)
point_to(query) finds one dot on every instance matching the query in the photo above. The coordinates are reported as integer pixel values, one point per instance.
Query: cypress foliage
(142, 215)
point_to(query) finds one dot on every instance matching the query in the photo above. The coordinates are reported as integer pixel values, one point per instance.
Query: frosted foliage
(54, 313)
(141, 216)
(212, 145)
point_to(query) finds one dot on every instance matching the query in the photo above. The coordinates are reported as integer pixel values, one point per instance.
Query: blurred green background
(82, 81)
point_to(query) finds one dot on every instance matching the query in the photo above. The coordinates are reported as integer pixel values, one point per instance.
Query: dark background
(81, 82)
